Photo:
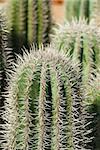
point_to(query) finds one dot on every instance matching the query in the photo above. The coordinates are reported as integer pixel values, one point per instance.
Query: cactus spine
(30, 23)
(44, 108)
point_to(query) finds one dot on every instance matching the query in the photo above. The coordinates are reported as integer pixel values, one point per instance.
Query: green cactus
(44, 108)
(5, 56)
(82, 42)
(5, 63)
(29, 22)
(80, 8)
(94, 95)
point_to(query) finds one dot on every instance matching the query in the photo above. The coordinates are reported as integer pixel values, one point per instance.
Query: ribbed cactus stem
(81, 41)
(42, 111)
(47, 22)
(32, 21)
(23, 22)
(44, 106)
(29, 22)
(14, 26)
(58, 114)
(40, 20)
(5, 64)
(94, 98)
(5, 55)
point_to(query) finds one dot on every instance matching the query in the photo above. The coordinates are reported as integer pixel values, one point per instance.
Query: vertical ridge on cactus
(32, 22)
(47, 22)
(13, 23)
(40, 19)
(23, 22)
(44, 106)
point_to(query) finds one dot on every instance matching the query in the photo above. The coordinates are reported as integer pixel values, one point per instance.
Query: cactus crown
(44, 107)
(82, 41)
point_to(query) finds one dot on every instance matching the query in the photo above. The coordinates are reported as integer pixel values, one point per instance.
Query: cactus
(5, 56)
(82, 42)
(45, 107)
(80, 8)
(94, 98)
(29, 22)
(5, 64)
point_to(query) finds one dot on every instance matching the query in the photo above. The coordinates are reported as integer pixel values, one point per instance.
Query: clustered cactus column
(44, 108)
(82, 42)
(29, 22)
(80, 8)
(5, 56)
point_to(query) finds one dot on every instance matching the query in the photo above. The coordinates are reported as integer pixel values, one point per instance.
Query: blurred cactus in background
(29, 22)
(45, 107)
(80, 9)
